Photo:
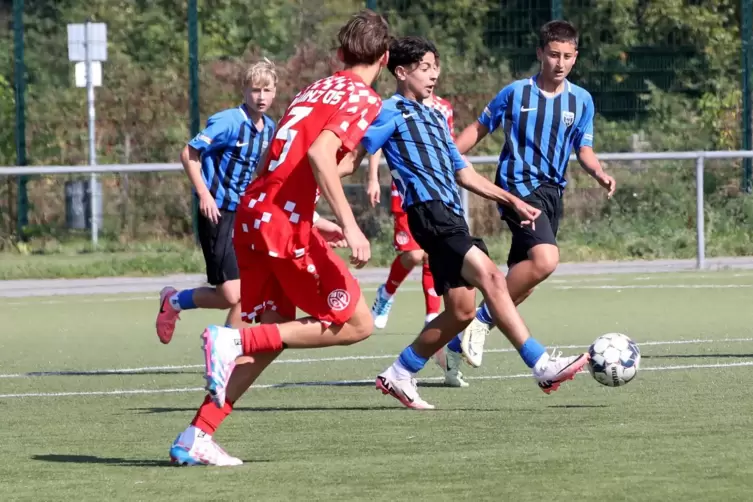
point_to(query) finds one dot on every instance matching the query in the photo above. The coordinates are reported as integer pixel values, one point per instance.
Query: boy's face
(420, 78)
(259, 96)
(557, 59)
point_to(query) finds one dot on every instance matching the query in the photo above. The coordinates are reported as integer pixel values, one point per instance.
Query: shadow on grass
(122, 462)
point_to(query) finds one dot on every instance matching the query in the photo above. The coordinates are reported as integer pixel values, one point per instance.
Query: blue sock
(531, 351)
(454, 344)
(483, 314)
(412, 361)
(185, 299)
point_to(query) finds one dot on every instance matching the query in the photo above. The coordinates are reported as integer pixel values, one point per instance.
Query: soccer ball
(614, 359)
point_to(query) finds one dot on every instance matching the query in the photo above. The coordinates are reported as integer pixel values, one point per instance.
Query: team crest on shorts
(568, 118)
(402, 238)
(338, 300)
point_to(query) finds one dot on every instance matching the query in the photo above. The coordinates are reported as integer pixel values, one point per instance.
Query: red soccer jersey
(445, 108)
(276, 212)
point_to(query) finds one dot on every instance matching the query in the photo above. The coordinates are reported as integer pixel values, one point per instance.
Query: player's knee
(465, 313)
(544, 264)
(232, 296)
(493, 283)
(359, 328)
(412, 259)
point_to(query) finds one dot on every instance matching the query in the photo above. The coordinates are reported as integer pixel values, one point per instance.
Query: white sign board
(97, 39)
(96, 74)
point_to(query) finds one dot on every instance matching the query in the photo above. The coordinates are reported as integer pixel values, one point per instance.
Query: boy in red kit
(283, 263)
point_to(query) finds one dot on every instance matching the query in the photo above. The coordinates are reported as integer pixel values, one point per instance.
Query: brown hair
(558, 31)
(364, 39)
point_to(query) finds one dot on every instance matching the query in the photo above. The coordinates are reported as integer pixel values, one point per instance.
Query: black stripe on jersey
(227, 179)
(415, 136)
(215, 184)
(539, 130)
(522, 126)
(509, 169)
(445, 171)
(572, 106)
(554, 133)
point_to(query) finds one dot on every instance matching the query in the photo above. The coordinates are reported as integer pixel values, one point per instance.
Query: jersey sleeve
(216, 135)
(584, 135)
(458, 162)
(354, 116)
(379, 132)
(492, 115)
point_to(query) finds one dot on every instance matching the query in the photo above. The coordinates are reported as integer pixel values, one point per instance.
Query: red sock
(433, 302)
(398, 273)
(209, 416)
(261, 338)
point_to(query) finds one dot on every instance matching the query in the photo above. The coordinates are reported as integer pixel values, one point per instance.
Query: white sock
(541, 363)
(401, 372)
(174, 302)
(430, 317)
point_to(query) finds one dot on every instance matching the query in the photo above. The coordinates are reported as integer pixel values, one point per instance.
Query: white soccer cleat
(473, 340)
(555, 369)
(195, 447)
(404, 390)
(449, 362)
(380, 310)
(221, 348)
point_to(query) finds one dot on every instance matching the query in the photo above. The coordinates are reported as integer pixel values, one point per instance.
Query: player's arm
(488, 121)
(373, 190)
(351, 162)
(330, 231)
(214, 137)
(583, 143)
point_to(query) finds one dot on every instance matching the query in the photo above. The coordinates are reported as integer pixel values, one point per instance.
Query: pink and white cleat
(404, 390)
(167, 316)
(550, 373)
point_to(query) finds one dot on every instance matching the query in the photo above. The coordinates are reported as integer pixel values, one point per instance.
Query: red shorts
(403, 240)
(319, 283)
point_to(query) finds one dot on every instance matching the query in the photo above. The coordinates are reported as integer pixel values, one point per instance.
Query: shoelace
(383, 306)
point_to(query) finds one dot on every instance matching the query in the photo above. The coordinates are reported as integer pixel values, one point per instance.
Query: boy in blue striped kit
(543, 117)
(427, 169)
(220, 161)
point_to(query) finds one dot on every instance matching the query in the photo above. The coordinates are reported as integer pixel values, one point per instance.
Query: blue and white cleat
(380, 311)
(221, 348)
(195, 447)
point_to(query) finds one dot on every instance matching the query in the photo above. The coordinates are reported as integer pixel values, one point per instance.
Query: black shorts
(217, 245)
(548, 198)
(444, 236)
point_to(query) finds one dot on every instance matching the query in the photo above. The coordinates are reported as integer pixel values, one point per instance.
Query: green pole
(19, 70)
(747, 88)
(557, 11)
(193, 71)
(371, 4)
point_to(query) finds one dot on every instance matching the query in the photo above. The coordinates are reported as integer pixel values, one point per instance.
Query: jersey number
(288, 134)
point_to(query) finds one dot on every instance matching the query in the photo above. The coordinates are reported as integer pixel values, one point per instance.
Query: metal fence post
(557, 10)
(746, 31)
(193, 70)
(19, 84)
(699, 214)
(371, 4)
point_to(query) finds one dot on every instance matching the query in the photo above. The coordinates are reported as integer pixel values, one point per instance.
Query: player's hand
(208, 208)
(360, 249)
(609, 184)
(526, 213)
(334, 237)
(373, 191)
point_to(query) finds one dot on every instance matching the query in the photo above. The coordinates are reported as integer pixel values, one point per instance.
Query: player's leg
(409, 256)
(549, 371)
(432, 301)
(222, 274)
(533, 256)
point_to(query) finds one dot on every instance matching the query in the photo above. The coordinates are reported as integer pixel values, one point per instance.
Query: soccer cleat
(195, 447)
(449, 362)
(473, 340)
(380, 311)
(404, 390)
(167, 315)
(558, 369)
(221, 347)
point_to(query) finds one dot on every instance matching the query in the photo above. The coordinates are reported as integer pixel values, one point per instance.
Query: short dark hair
(558, 31)
(405, 51)
(364, 38)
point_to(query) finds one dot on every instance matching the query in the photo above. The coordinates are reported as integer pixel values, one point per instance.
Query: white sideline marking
(337, 383)
(659, 286)
(146, 369)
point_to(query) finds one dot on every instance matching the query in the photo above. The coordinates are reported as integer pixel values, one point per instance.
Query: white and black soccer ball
(614, 359)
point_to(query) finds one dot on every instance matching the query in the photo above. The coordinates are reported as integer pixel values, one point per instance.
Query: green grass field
(87, 430)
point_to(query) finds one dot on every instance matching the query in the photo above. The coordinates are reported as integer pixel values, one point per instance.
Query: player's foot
(557, 369)
(221, 347)
(449, 361)
(473, 340)
(404, 390)
(167, 315)
(380, 311)
(195, 447)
